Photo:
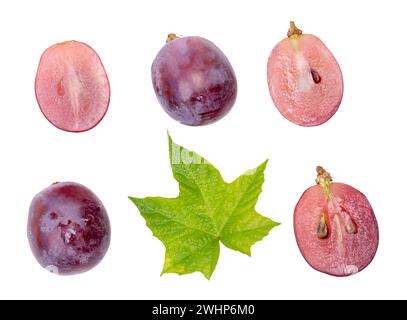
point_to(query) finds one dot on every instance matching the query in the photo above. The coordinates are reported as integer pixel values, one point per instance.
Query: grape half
(304, 79)
(335, 227)
(68, 228)
(193, 80)
(72, 87)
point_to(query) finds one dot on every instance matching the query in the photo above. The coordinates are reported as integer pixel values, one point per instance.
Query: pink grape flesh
(340, 253)
(72, 87)
(305, 81)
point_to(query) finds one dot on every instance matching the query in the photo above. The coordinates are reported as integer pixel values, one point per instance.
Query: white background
(126, 154)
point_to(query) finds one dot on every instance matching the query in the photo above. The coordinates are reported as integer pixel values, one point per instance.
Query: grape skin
(68, 228)
(194, 81)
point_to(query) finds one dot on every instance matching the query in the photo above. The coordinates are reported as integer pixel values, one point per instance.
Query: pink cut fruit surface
(72, 87)
(304, 79)
(335, 227)
(193, 80)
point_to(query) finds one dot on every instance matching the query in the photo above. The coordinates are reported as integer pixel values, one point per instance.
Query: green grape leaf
(207, 211)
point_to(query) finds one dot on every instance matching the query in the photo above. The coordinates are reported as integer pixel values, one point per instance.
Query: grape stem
(324, 179)
(293, 31)
(171, 37)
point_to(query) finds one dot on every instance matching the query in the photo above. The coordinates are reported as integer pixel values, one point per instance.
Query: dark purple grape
(68, 228)
(194, 81)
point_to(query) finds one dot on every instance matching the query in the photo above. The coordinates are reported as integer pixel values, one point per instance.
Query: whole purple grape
(193, 80)
(68, 228)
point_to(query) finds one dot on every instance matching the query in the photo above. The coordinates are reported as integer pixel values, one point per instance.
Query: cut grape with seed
(72, 87)
(68, 228)
(193, 80)
(305, 80)
(335, 227)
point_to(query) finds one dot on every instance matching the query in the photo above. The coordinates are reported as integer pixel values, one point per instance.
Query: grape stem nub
(293, 31)
(171, 37)
(324, 180)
